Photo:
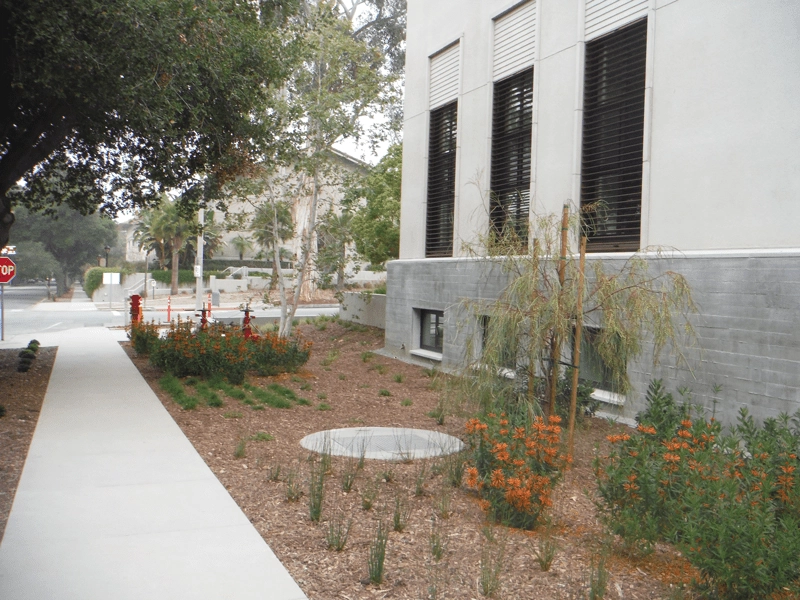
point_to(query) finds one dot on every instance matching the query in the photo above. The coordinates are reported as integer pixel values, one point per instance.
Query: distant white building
(680, 116)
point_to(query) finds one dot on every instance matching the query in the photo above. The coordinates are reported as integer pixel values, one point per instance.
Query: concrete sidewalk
(115, 503)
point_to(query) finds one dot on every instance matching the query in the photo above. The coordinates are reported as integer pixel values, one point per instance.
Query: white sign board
(111, 278)
(198, 270)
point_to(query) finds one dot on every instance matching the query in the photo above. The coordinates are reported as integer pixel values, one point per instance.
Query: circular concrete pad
(382, 443)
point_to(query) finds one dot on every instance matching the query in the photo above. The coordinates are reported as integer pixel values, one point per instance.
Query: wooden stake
(555, 351)
(576, 357)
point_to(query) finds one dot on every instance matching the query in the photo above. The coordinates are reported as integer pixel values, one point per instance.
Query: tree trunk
(288, 315)
(175, 266)
(340, 270)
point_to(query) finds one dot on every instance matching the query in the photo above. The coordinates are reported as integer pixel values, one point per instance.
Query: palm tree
(242, 245)
(148, 236)
(177, 230)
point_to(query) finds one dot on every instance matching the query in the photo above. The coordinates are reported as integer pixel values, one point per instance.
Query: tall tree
(73, 239)
(375, 199)
(340, 81)
(108, 105)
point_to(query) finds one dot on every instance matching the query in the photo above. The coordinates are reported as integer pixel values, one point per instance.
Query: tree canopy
(376, 223)
(70, 237)
(108, 105)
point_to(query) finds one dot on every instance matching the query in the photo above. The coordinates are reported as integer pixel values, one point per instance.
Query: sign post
(110, 279)
(8, 270)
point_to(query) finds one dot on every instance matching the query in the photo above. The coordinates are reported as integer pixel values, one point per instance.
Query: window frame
(511, 157)
(604, 389)
(441, 185)
(613, 138)
(438, 335)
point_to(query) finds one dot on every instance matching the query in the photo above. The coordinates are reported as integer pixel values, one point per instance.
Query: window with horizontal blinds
(613, 132)
(510, 184)
(441, 181)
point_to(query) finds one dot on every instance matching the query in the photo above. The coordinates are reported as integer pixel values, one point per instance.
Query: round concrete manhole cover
(382, 443)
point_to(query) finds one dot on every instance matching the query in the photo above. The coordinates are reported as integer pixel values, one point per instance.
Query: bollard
(209, 305)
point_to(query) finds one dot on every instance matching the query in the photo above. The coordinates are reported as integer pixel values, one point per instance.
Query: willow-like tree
(534, 318)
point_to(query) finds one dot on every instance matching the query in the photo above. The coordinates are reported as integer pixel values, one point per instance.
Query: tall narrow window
(441, 181)
(613, 131)
(512, 119)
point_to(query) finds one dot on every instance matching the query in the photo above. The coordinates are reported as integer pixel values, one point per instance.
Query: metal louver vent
(510, 186)
(444, 76)
(603, 16)
(514, 40)
(441, 181)
(613, 131)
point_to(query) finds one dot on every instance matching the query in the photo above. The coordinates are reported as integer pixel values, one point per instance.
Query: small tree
(532, 323)
(375, 199)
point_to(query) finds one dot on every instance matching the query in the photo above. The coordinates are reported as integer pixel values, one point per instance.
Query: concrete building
(679, 116)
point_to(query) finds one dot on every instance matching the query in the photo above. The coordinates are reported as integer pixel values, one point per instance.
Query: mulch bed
(350, 382)
(21, 394)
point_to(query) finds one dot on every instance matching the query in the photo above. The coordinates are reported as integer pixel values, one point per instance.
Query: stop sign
(7, 269)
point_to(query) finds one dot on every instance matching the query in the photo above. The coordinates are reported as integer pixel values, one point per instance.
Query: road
(28, 313)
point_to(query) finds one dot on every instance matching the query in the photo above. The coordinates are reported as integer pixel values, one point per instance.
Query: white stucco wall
(722, 131)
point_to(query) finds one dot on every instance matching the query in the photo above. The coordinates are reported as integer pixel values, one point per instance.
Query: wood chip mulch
(343, 375)
(340, 375)
(21, 394)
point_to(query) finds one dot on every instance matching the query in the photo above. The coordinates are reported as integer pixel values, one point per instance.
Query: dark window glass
(432, 330)
(507, 351)
(613, 132)
(593, 370)
(512, 120)
(441, 181)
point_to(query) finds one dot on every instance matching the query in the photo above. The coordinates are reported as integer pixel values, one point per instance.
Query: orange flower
(498, 479)
(646, 429)
(472, 477)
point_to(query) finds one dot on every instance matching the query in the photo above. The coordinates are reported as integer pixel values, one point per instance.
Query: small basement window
(595, 372)
(431, 330)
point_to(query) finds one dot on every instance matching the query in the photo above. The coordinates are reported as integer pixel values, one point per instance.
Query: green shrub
(144, 337)
(215, 350)
(515, 465)
(729, 501)
(185, 276)
(93, 279)
(272, 354)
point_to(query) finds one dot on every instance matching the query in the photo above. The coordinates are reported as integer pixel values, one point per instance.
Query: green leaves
(376, 222)
(133, 98)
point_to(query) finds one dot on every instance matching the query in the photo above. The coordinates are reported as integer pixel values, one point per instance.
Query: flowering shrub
(272, 354)
(729, 501)
(214, 350)
(220, 350)
(143, 337)
(514, 467)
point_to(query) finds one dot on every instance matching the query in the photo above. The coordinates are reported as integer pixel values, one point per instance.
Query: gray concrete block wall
(364, 308)
(748, 326)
